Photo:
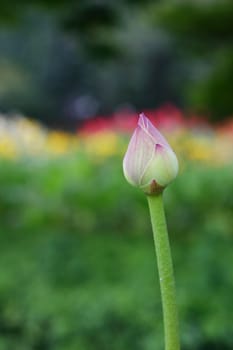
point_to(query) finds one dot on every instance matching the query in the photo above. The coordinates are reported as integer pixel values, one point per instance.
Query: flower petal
(151, 131)
(163, 167)
(139, 152)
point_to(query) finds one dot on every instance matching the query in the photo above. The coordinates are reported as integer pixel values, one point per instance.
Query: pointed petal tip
(142, 118)
(143, 121)
(142, 115)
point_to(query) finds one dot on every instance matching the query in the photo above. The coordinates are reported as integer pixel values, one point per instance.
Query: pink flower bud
(149, 162)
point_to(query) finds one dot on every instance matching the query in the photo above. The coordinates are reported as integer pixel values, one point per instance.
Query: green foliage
(209, 23)
(66, 193)
(141, 53)
(77, 265)
(203, 31)
(206, 95)
(87, 20)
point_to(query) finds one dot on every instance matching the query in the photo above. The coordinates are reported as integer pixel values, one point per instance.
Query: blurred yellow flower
(59, 143)
(198, 149)
(8, 148)
(103, 144)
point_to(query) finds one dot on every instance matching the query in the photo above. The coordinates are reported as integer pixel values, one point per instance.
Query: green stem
(165, 268)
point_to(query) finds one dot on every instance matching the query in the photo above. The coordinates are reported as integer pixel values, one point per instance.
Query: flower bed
(192, 138)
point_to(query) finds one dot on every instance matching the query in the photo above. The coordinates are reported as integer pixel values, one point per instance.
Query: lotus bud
(149, 162)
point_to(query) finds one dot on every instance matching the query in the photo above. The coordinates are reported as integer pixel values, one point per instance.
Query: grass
(77, 266)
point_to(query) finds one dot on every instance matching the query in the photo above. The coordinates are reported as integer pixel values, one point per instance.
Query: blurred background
(77, 263)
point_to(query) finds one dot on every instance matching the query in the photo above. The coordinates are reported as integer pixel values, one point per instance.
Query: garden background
(77, 264)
